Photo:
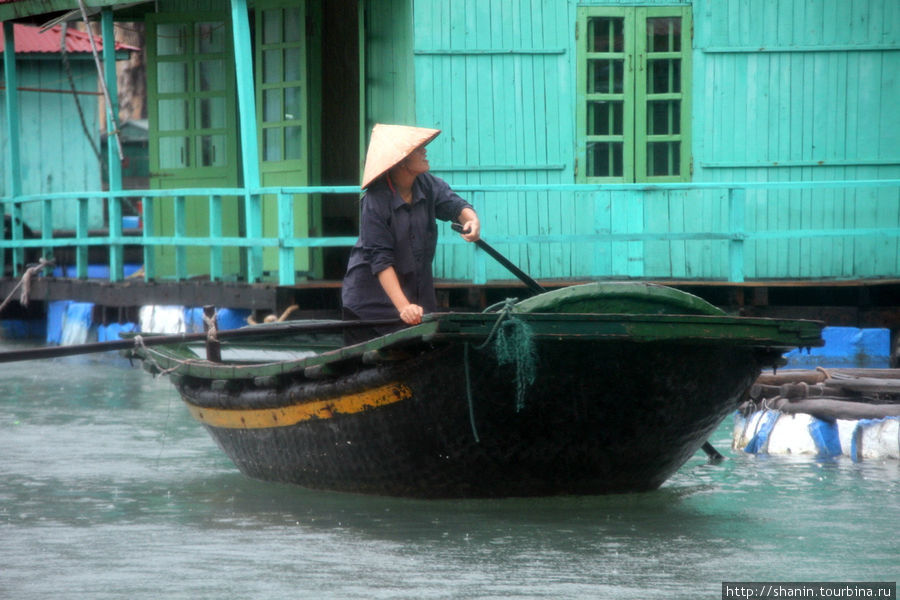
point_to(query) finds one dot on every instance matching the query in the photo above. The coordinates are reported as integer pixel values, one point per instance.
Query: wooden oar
(162, 340)
(532, 285)
(712, 454)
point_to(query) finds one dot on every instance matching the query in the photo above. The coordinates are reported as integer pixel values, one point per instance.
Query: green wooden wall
(389, 71)
(497, 78)
(795, 90)
(782, 90)
(51, 127)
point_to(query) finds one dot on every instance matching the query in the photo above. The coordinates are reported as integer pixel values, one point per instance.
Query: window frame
(300, 165)
(635, 136)
(192, 132)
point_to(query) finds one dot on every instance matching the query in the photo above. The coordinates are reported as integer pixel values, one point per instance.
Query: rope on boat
(513, 342)
(148, 356)
(212, 331)
(25, 282)
(515, 345)
(469, 393)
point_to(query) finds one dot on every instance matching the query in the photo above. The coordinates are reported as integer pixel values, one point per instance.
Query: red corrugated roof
(30, 39)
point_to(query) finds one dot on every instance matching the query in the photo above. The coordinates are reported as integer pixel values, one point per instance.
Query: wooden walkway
(858, 303)
(726, 242)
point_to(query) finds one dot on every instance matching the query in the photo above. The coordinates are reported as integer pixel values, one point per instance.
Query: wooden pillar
(215, 231)
(149, 227)
(286, 266)
(243, 64)
(81, 235)
(13, 158)
(114, 164)
(894, 356)
(737, 199)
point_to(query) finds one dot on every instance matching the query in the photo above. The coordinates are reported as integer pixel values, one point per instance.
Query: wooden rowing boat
(591, 389)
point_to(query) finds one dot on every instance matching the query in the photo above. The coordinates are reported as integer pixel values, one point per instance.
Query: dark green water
(108, 490)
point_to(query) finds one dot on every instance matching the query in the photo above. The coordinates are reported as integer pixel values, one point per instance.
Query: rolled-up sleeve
(376, 236)
(447, 204)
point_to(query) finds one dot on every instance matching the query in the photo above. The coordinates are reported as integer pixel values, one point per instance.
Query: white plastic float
(826, 413)
(774, 432)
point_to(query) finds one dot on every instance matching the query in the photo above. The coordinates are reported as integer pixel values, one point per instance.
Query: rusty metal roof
(29, 39)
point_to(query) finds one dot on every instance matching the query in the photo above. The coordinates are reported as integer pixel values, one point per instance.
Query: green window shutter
(605, 113)
(191, 96)
(281, 84)
(633, 87)
(662, 115)
(282, 105)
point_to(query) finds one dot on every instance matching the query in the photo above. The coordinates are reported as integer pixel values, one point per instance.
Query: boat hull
(599, 417)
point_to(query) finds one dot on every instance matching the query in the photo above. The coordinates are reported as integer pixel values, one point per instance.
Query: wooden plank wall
(496, 77)
(55, 154)
(802, 90)
(389, 63)
(784, 90)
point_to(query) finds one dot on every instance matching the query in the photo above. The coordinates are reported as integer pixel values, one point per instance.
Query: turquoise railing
(594, 221)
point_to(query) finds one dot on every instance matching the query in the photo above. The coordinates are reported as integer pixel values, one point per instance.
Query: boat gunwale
(448, 328)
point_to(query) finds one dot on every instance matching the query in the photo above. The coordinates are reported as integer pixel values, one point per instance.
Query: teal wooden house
(711, 140)
(57, 93)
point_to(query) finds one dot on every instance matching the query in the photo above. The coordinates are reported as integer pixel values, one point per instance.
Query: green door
(191, 108)
(283, 116)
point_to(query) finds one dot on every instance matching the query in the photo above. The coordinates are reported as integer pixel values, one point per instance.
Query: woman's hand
(471, 226)
(411, 314)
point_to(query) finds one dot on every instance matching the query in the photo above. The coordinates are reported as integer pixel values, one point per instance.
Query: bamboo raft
(829, 393)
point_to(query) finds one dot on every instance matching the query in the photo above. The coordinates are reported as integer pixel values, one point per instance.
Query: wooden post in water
(211, 327)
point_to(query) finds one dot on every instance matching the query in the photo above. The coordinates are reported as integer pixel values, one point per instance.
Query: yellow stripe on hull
(297, 413)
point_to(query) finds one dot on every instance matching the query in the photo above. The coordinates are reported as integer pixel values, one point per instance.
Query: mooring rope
(212, 328)
(147, 354)
(25, 282)
(469, 393)
(513, 343)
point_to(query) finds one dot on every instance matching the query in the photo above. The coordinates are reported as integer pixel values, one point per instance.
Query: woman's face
(417, 162)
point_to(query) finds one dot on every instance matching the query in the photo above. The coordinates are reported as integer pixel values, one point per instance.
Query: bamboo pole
(163, 340)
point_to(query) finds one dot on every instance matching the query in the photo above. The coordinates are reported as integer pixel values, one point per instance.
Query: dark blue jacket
(394, 233)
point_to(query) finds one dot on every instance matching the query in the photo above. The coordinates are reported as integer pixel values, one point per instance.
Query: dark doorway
(340, 125)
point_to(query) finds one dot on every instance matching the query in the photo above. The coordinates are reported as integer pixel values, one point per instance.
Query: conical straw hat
(389, 145)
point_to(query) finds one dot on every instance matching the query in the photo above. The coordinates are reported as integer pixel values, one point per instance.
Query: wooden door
(282, 101)
(192, 131)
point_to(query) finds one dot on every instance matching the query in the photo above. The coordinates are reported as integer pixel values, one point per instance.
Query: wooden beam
(13, 158)
(243, 61)
(114, 163)
(139, 293)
